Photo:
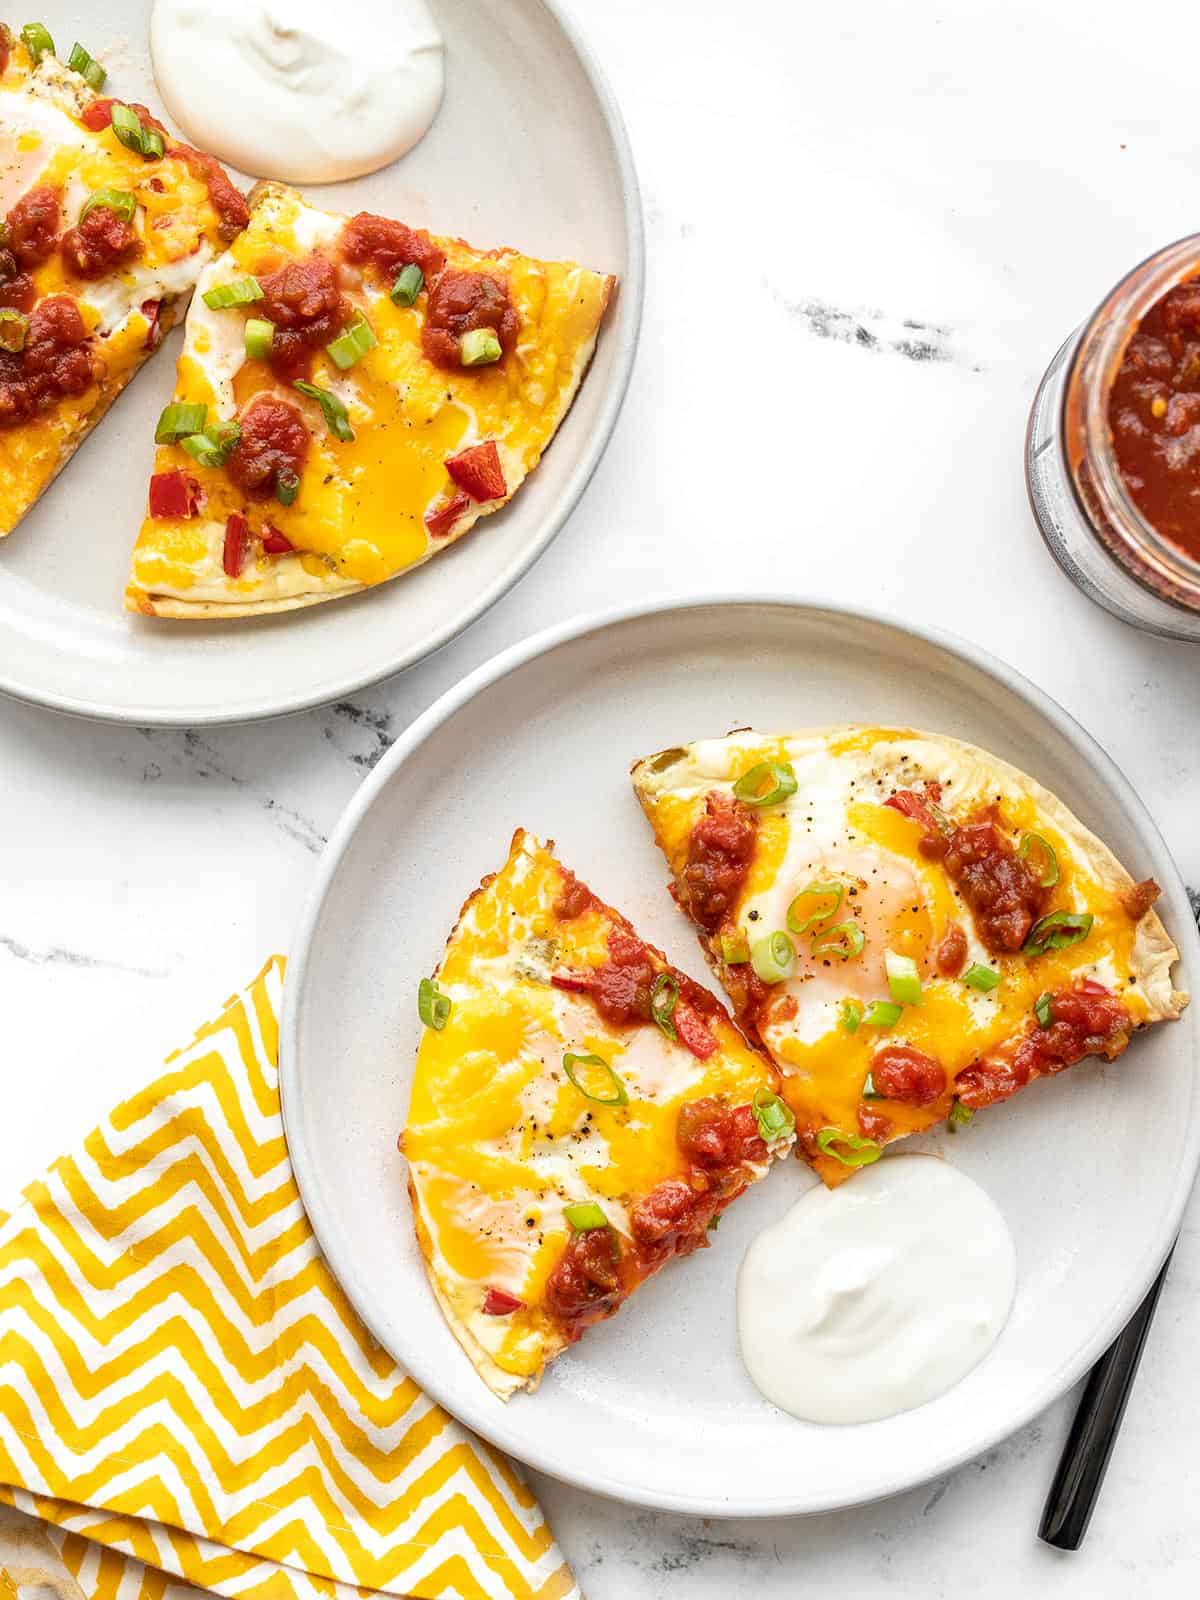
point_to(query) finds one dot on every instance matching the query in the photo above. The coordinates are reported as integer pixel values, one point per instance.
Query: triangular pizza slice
(913, 928)
(582, 1112)
(108, 221)
(352, 396)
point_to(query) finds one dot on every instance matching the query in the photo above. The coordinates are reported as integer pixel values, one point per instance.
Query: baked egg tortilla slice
(913, 928)
(108, 223)
(352, 396)
(582, 1112)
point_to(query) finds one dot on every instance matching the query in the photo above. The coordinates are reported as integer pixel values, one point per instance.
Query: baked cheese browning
(913, 928)
(581, 1113)
(367, 392)
(102, 242)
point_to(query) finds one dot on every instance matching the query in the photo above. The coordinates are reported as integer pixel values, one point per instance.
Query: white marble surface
(868, 229)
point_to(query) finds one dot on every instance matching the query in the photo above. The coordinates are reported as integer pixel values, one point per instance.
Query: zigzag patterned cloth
(186, 1393)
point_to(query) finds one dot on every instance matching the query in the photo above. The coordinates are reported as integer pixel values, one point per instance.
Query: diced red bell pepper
(692, 1032)
(440, 522)
(97, 115)
(173, 494)
(478, 471)
(274, 542)
(237, 532)
(499, 1303)
(150, 310)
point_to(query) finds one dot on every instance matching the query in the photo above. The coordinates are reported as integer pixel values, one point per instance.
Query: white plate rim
(631, 292)
(497, 1428)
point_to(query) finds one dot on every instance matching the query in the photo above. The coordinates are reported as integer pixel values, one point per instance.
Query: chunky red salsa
(274, 443)
(720, 850)
(1154, 416)
(1001, 888)
(623, 987)
(57, 360)
(598, 1269)
(304, 301)
(1086, 1020)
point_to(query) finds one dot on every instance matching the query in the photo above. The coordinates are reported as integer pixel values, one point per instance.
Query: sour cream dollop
(876, 1297)
(307, 91)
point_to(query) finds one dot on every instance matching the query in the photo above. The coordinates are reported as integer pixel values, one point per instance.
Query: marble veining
(53, 955)
(873, 330)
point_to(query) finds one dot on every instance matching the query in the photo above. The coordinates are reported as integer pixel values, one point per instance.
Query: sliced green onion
(585, 1216)
(904, 980)
(772, 957)
(1059, 931)
(351, 344)
(260, 336)
(714, 1222)
(664, 997)
(35, 36)
(1033, 843)
(119, 201)
(869, 1091)
(766, 784)
(433, 1007)
(336, 416)
(178, 420)
(287, 486)
(819, 901)
(213, 447)
(224, 434)
(408, 285)
(127, 126)
(201, 448)
(240, 292)
(479, 348)
(959, 1116)
(735, 948)
(850, 1015)
(88, 68)
(616, 1096)
(840, 939)
(1044, 1010)
(883, 1014)
(985, 979)
(855, 1152)
(14, 330)
(773, 1117)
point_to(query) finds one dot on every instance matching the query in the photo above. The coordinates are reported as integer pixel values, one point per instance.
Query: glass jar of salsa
(1112, 456)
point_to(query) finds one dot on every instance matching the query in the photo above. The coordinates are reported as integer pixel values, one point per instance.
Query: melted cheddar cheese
(836, 829)
(43, 142)
(499, 1140)
(359, 516)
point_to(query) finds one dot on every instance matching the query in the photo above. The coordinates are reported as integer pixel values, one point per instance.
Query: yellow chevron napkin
(186, 1391)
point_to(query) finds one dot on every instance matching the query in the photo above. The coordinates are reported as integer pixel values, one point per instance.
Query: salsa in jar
(1112, 454)
(1154, 414)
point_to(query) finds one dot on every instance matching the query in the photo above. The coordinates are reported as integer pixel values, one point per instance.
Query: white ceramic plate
(1091, 1169)
(528, 149)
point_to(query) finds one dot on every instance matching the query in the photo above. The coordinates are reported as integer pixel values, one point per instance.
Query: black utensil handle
(1097, 1422)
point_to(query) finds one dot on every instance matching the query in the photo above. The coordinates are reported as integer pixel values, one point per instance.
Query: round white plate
(1091, 1169)
(528, 150)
